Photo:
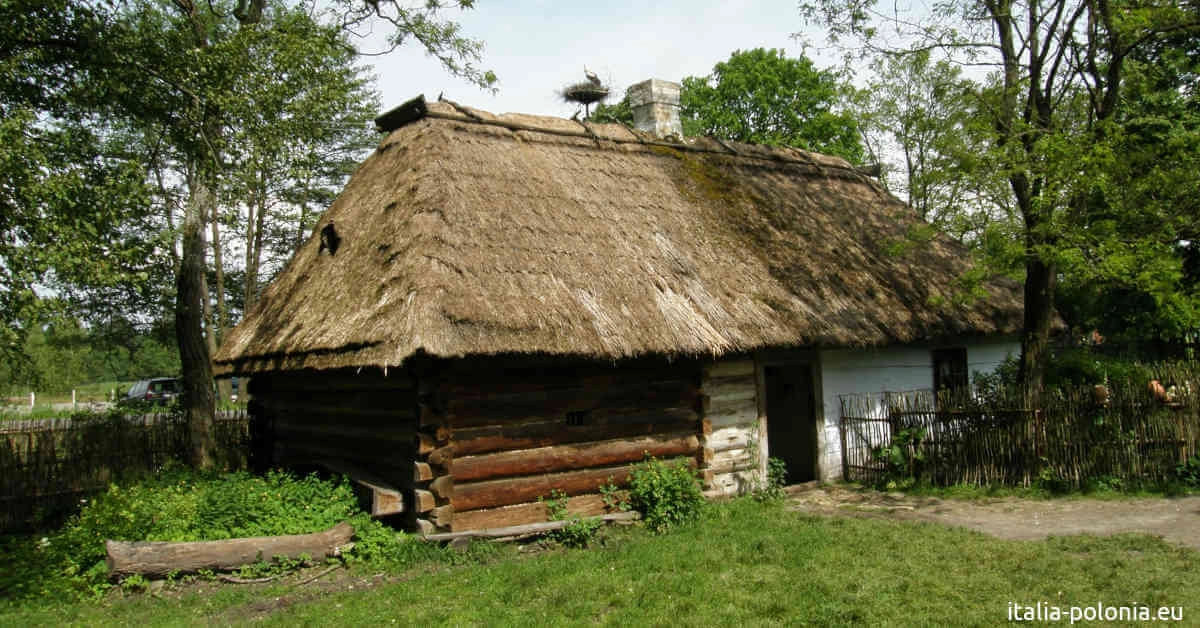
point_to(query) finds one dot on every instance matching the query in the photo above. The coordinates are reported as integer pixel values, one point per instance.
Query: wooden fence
(1120, 433)
(48, 465)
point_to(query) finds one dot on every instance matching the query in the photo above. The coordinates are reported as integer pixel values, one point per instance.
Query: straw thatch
(467, 233)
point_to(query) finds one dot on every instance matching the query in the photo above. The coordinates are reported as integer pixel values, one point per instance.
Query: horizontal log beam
(492, 493)
(157, 559)
(587, 505)
(549, 404)
(523, 530)
(575, 456)
(729, 368)
(555, 431)
(305, 381)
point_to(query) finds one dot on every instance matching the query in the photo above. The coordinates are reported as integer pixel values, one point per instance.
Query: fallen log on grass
(523, 531)
(157, 559)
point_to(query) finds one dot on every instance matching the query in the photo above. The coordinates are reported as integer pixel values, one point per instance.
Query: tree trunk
(158, 559)
(219, 323)
(198, 400)
(1040, 280)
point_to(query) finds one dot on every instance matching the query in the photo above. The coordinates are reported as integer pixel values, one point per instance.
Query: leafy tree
(171, 72)
(620, 112)
(1050, 106)
(763, 97)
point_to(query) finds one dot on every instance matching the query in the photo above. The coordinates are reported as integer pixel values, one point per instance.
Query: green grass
(743, 563)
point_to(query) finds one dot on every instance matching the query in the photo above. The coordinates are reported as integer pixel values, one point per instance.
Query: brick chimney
(656, 108)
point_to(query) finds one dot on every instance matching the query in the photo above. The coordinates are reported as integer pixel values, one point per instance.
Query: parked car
(158, 391)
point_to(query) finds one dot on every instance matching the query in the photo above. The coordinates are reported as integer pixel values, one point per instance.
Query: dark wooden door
(791, 419)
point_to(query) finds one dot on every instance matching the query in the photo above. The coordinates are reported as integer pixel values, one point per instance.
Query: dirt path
(1174, 519)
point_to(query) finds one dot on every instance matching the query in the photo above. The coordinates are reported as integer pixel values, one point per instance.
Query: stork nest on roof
(584, 93)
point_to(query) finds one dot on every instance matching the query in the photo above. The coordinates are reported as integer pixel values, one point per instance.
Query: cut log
(581, 456)
(157, 559)
(555, 431)
(524, 530)
(423, 501)
(587, 505)
(422, 472)
(425, 528)
(442, 516)
(441, 457)
(443, 487)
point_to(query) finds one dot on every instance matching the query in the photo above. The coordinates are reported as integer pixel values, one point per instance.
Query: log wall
(520, 431)
(733, 439)
(362, 425)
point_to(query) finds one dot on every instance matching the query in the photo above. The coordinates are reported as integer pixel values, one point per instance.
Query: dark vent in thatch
(469, 233)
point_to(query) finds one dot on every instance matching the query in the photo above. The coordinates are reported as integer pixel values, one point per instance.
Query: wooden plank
(543, 433)
(344, 380)
(575, 456)
(380, 501)
(721, 412)
(491, 493)
(729, 368)
(391, 437)
(587, 505)
(746, 417)
(728, 388)
(731, 461)
(736, 437)
(549, 404)
(394, 471)
(523, 530)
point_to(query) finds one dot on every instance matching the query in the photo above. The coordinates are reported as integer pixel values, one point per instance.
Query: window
(950, 369)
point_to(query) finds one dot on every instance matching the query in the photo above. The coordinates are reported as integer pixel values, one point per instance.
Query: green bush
(179, 504)
(772, 489)
(667, 495)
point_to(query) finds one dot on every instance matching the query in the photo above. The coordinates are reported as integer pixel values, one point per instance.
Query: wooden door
(791, 419)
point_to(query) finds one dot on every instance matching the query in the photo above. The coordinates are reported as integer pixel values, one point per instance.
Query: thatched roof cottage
(500, 306)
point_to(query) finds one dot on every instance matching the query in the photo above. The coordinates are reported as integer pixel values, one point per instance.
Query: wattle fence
(48, 465)
(1114, 434)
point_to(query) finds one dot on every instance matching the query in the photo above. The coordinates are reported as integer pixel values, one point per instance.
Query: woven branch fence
(48, 465)
(1076, 436)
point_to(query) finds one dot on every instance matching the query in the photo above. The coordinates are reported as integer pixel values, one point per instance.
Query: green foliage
(903, 458)
(177, 504)
(612, 497)
(579, 532)
(667, 494)
(1080, 367)
(1188, 474)
(777, 477)
(763, 97)
(621, 112)
(742, 564)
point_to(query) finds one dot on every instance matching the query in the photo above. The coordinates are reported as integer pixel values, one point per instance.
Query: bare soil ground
(1174, 519)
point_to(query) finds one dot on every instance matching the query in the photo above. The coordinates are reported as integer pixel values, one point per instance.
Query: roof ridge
(417, 109)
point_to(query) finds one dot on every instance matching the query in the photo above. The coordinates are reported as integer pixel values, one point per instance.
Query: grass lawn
(744, 564)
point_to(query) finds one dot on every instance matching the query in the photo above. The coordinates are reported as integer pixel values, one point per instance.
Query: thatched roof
(467, 233)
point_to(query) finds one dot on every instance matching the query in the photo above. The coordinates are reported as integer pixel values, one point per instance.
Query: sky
(537, 47)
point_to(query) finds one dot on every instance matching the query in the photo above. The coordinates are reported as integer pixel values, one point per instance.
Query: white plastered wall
(849, 371)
